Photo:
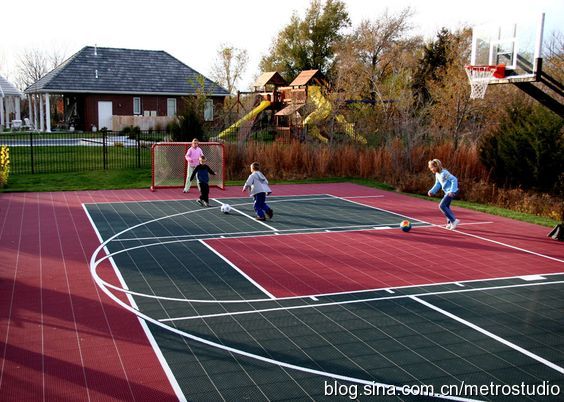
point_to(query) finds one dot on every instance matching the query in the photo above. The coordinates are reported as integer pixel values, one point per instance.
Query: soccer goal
(169, 167)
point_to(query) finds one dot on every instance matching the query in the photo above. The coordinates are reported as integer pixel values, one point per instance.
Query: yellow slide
(322, 112)
(249, 117)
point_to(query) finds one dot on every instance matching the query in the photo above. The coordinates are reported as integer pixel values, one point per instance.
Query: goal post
(169, 167)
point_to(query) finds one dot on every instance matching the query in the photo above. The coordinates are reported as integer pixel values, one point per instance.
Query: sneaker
(201, 203)
(454, 224)
(270, 213)
(448, 226)
(206, 204)
(258, 218)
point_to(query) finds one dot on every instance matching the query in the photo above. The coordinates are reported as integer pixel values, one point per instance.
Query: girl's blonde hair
(437, 164)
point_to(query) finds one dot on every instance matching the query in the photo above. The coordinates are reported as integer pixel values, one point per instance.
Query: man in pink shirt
(193, 157)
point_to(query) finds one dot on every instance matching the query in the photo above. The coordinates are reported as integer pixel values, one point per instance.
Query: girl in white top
(449, 184)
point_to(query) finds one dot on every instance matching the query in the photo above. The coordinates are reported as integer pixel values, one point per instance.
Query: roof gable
(7, 88)
(111, 70)
(270, 78)
(309, 77)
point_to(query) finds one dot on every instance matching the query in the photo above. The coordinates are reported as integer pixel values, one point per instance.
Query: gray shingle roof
(110, 70)
(8, 89)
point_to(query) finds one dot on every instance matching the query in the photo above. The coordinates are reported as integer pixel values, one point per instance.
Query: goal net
(170, 168)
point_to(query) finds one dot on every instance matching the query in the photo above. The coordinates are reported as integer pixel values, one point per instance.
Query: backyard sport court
(139, 295)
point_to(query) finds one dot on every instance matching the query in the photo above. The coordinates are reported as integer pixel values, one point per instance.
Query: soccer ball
(405, 226)
(226, 208)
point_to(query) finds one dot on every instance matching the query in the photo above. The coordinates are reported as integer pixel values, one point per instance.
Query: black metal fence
(59, 152)
(33, 152)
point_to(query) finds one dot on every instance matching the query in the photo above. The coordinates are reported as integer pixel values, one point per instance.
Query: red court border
(62, 339)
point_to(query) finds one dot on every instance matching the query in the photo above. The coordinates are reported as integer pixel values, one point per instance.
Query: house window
(136, 105)
(171, 106)
(208, 110)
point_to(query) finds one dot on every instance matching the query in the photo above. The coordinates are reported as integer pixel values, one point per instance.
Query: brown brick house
(112, 88)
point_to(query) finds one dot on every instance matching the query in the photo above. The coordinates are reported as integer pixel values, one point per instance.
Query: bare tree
(34, 64)
(372, 52)
(229, 66)
(554, 55)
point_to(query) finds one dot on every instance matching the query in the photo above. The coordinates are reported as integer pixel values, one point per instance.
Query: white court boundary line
(94, 263)
(367, 300)
(491, 335)
(236, 268)
(236, 198)
(238, 235)
(152, 341)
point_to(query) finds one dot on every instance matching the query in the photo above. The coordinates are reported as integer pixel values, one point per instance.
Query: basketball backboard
(517, 45)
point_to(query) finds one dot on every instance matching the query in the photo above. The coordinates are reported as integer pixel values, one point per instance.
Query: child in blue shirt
(202, 172)
(258, 184)
(449, 183)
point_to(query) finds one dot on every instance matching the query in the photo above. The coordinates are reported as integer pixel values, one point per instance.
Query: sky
(193, 31)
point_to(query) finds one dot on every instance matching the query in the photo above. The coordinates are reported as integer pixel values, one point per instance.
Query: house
(10, 98)
(100, 87)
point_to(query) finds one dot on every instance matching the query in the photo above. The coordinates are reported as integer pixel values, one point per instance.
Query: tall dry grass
(403, 167)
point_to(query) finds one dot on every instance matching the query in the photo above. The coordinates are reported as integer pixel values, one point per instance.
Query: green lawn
(141, 178)
(55, 159)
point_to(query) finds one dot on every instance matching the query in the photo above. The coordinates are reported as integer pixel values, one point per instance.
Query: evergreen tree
(527, 149)
(435, 57)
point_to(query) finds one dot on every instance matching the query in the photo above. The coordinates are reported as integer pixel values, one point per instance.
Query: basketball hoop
(480, 77)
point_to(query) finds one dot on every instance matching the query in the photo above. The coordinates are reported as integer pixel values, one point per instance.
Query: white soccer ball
(226, 208)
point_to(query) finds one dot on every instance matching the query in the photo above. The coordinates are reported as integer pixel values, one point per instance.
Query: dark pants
(204, 191)
(260, 204)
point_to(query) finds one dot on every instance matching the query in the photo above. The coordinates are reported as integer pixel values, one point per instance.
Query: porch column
(17, 103)
(2, 111)
(34, 100)
(30, 109)
(41, 118)
(47, 113)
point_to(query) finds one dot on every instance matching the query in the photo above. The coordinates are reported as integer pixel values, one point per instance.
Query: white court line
(236, 268)
(111, 286)
(532, 278)
(240, 352)
(164, 364)
(491, 335)
(235, 235)
(378, 209)
(466, 234)
(510, 246)
(249, 216)
(256, 220)
(341, 303)
(274, 198)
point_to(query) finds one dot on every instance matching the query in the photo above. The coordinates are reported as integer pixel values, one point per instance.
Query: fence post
(138, 135)
(104, 150)
(31, 152)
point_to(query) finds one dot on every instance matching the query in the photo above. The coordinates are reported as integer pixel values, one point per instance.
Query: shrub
(134, 133)
(527, 149)
(188, 124)
(4, 165)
